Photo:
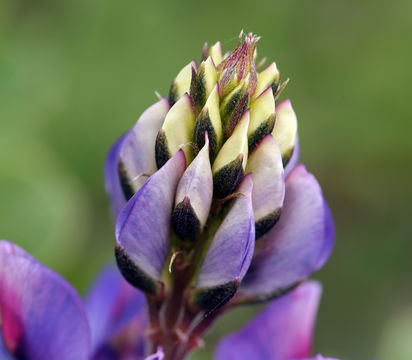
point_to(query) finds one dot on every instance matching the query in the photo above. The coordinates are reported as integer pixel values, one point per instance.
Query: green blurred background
(75, 74)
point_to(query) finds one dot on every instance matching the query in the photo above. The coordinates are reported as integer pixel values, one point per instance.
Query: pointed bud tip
(185, 221)
(240, 65)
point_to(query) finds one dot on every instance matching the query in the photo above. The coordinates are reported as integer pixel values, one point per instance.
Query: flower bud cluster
(226, 99)
(211, 206)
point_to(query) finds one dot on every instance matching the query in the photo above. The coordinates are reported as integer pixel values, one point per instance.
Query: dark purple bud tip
(173, 94)
(185, 221)
(198, 88)
(266, 223)
(228, 178)
(134, 274)
(125, 181)
(215, 297)
(204, 124)
(161, 149)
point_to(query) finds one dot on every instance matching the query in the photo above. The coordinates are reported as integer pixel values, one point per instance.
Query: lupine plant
(212, 212)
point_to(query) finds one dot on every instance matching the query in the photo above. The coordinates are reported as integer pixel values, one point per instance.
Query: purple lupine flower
(282, 331)
(212, 209)
(43, 317)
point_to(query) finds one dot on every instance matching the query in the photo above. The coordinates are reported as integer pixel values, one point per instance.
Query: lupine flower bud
(194, 197)
(215, 51)
(285, 130)
(239, 67)
(262, 118)
(203, 82)
(233, 106)
(230, 163)
(269, 186)
(217, 280)
(212, 208)
(268, 78)
(209, 120)
(181, 83)
(177, 130)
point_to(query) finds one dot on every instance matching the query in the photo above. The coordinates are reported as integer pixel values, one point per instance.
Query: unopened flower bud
(181, 84)
(229, 166)
(285, 130)
(209, 120)
(177, 131)
(265, 163)
(227, 259)
(239, 66)
(143, 227)
(194, 197)
(269, 77)
(215, 51)
(232, 108)
(262, 118)
(202, 82)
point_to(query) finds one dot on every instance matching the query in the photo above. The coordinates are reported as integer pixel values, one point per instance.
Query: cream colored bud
(229, 166)
(285, 129)
(176, 132)
(215, 51)
(181, 84)
(202, 86)
(209, 120)
(267, 77)
(262, 117)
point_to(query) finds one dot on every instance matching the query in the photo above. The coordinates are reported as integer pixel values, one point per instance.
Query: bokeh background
(75, 74)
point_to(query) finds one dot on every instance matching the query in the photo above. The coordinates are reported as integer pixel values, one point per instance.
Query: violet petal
(300, 242)
(137, 151)
(143, 226)
(283, 330)
(111, 305)
(42, 315)
(194, 196)
(231, 249)
(265, 163)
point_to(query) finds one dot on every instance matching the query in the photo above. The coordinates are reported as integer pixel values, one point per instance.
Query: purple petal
(42, 315)
(112, 305)
(231, 250)
(143, 226)
(112, 179)
(283, 330)
(194, 196)
(137, 152)
(265, 163)
(299, 243)
(133, 155)
(293, 161)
